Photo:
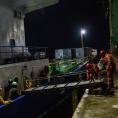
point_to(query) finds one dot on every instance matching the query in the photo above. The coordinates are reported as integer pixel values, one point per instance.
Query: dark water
(63, 108)
(48, 104)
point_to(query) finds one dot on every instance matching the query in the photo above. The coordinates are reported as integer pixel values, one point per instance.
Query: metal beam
(31, 5)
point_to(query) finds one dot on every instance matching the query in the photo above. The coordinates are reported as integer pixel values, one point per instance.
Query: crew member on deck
(110, 68)
(96, 71)
(88, 71)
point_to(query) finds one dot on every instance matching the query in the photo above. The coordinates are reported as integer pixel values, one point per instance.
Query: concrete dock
(97, 107)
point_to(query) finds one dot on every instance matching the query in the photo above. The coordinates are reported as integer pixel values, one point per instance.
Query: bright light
(83, 31)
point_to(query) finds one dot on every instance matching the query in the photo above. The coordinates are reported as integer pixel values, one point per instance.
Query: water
(63, 108)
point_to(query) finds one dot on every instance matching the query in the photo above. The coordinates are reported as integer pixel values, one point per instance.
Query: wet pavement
(97, 107)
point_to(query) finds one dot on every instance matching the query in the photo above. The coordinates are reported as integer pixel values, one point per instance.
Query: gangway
(46, 88)
(65, 84)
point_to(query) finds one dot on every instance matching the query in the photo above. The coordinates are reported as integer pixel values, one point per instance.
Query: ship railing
(14, 54)
(60, 79)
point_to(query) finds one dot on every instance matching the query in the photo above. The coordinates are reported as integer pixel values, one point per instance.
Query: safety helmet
(14, 83)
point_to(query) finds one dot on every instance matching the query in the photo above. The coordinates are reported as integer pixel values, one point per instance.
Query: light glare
(83, 31)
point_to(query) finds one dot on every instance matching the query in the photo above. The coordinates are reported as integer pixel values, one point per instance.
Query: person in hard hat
(96, 71)
(102, 65)
(110, 68)
(9, 86)
(103, 57)
(88, 71)
(13, 92)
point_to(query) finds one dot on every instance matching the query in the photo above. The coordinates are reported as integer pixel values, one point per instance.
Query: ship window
(12, 42)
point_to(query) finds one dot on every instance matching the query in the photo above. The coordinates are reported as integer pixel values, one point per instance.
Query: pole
(74, 98)
(82, 40)
(110, 25)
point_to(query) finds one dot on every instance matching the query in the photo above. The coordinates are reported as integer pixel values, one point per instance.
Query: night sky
(58, 26)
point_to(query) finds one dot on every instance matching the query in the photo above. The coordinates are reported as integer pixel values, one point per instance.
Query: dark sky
(58, 26)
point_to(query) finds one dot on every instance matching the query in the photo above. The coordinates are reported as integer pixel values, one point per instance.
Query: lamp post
(83, 31)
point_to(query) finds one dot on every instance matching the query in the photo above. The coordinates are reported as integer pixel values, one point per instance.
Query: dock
(99, 106)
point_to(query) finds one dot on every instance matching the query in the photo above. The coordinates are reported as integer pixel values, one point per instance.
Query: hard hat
(14, 83)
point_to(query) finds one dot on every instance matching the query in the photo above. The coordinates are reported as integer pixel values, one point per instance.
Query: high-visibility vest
(28, 84)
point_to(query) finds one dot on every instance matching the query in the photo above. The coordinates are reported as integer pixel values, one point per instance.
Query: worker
(88, 71)
(13, 92)
(103, 58)
(102, 65)
(110, 68)
(96, 71)
(9, 86)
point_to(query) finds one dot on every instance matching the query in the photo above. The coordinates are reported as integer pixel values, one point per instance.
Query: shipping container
(79, 52)
(63, 54)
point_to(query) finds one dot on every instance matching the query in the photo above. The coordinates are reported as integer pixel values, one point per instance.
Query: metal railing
(62, 79)
(13, 54)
